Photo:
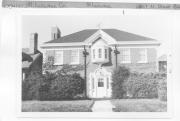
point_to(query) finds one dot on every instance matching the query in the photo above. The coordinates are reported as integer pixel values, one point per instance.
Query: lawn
(139, 105)
(57, 106)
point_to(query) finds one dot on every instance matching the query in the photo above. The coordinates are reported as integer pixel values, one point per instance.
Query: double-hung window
(106, 53)
(75, 56)
(143, 55)
(94, 54)
(125, 56)
(100, 53)
(58, 57)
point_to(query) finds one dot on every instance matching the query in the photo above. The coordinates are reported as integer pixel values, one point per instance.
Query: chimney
(55, 33)
(33, 43)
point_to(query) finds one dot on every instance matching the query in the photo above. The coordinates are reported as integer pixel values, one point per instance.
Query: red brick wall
(150, 66)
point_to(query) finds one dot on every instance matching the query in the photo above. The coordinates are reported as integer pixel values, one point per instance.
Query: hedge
(162, 92)
(141, 86)
(120, 74)
(138, 85)
(52, 86)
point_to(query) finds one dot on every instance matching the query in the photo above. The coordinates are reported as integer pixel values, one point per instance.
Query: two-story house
(107, 48)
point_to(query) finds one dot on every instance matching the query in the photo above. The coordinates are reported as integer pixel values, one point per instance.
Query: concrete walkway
(102, 106)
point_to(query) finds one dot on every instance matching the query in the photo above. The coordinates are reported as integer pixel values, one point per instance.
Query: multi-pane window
(74, 56)
(106, 54)
(100, 82)
(100, 53)
(143, 55)
(58, 57)
(125, 56)
(94, 54)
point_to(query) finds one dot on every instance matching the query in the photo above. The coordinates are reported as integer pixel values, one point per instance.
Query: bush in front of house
(31, 85)
(162, 92)
(66, 87)
(141, 86)
(119, 76)
(53, 86)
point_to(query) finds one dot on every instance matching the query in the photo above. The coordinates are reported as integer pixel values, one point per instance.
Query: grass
(139, 105)
(57, 106)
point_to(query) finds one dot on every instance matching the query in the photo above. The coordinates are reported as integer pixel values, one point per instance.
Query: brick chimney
(33, 43)
(55, 33)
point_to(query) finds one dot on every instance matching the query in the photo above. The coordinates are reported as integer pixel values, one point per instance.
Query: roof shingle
(81, 36)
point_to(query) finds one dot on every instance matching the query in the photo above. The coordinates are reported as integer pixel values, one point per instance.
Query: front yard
(57, 106)
(139, 105)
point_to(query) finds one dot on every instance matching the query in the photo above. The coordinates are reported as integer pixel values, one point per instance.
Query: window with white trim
(106, 54)
(143, 55)
(58, 57)
(75, 56)
(100, 53)
(94, 54)
(125, 56)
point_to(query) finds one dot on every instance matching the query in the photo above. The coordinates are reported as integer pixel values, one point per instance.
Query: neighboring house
(162, 63)
(31, 57)
(107, 48)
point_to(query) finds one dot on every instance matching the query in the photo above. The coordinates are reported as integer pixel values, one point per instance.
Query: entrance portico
(100, 83)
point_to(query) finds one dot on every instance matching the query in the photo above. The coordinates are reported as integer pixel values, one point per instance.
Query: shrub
(66, 87)
(53, 86)
(120, 74)
(162, 90)
(31, 85)
(142, 86)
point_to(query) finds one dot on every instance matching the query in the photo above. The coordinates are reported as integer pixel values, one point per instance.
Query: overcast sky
(156, 27)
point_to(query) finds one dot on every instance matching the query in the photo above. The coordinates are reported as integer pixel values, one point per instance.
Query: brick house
(32, 58)
(107, 49)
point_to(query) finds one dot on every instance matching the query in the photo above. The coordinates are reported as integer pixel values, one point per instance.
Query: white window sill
(58, 64)
(142, 62)
(126, 62)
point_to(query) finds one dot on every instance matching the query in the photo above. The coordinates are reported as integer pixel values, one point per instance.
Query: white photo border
(114, 115)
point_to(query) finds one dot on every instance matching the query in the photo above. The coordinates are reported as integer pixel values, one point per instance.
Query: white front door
(101, 90)
(100, 84)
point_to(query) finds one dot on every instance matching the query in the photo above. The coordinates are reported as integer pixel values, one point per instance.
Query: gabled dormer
(100, 43)
(100, 51)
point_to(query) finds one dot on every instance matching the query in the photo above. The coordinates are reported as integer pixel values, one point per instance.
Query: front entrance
(101, 91)
(100, 84)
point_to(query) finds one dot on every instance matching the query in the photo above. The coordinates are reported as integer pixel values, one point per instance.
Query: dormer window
(105, 54)
(94, 54)
(100, 52)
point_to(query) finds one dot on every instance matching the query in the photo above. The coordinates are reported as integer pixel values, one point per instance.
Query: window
(92, 83)
(74, 56)
(143, 55)
(106, 54)
(100, 83)
(100, 53)
(107, 83)
(59, 57)
(94, 53)
(125, 56)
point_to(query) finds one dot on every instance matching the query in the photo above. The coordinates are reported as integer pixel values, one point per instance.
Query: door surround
(100, 83)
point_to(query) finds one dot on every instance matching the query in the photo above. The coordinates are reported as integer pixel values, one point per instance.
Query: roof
(28, 59)
(81, 36)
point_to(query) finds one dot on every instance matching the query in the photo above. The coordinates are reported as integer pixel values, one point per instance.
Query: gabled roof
(81, 36)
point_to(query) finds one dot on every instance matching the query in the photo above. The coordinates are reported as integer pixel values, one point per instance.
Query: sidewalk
(102, 106)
